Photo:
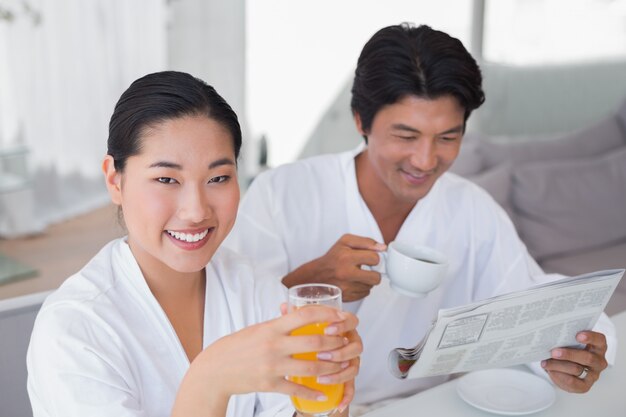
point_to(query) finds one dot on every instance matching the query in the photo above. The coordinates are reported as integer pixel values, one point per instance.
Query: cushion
(565, 206)
(595, 140)
(610, 257)
(621, 115)
(497, 182)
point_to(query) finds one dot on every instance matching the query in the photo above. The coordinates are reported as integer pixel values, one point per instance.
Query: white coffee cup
(412, 270)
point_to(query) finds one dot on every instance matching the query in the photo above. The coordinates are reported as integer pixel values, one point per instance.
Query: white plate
(506, 391)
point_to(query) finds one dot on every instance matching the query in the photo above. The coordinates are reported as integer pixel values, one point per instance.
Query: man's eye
(166, 180)
(221, 178)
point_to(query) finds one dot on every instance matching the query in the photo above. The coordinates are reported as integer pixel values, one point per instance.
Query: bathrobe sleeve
(75, 369)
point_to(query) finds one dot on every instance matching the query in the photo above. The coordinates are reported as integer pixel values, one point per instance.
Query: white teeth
(188, 237)
(417, 175)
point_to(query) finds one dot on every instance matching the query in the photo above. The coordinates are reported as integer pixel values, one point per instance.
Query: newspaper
(509, 329)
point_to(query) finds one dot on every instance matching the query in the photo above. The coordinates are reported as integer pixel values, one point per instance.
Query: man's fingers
(364, 277)
(564, 367)
(355, 292)
(353, 289)
(582, 357)
(596, 342)
(363, 257)
(571, 383)
(360, 242)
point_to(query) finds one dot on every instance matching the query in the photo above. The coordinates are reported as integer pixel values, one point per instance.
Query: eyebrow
(173, 165)
(401, 126)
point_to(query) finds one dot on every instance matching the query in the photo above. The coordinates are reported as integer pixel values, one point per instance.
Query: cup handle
(381, 266)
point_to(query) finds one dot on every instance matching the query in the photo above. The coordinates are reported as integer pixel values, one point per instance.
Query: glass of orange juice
(301, 296)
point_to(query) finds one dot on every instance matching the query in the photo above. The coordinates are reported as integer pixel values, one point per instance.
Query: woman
(164, 322)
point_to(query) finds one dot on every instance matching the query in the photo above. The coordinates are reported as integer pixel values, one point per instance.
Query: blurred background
(285, 67)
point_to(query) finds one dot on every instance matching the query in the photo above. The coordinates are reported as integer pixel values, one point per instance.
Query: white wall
(206, 38)
(300, 54)
(68, 69)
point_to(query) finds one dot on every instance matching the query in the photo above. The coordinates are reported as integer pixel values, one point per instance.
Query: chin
(412, 196)
(190, 265)
(187, 268)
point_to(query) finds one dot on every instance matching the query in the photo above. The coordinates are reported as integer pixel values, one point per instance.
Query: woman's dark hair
(162, 96)
(404, 60)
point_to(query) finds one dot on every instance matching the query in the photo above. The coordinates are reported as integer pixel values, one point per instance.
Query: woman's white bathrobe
(102, 345)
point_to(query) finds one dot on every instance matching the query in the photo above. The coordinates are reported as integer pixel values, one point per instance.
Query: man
(325, 219)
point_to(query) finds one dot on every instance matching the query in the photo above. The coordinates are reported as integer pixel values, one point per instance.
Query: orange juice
(334, 392)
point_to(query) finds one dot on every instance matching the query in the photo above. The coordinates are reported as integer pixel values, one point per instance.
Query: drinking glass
(301, 296)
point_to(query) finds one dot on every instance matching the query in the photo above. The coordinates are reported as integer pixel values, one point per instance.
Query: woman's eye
(221, 178)
(166, 180)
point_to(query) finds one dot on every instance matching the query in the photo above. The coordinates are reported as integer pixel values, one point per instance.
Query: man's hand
(341, 266)
(576, 370)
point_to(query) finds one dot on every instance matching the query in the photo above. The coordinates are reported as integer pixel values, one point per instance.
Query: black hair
(161, 96)
(404, 60)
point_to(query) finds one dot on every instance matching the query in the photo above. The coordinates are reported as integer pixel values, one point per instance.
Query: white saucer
(506, 391)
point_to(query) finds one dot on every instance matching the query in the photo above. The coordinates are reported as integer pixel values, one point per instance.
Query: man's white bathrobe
(102, 345)
(293, 214)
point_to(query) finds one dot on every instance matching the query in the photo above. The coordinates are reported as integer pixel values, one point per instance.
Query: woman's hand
(348, 356)
(350, 353)
(257, 358)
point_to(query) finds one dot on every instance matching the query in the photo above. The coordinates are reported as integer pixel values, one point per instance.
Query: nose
(193, 205)
(424, 154)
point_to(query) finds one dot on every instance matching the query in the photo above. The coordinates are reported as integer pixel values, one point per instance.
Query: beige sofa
(566, 194)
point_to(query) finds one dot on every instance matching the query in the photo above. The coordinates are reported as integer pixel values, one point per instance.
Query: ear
(358, 123)
(113, 180)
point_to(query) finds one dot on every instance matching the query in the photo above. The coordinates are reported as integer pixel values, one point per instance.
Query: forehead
(188, 135)
(440, 113)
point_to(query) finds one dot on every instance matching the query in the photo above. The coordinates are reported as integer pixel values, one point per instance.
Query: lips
(417, 178)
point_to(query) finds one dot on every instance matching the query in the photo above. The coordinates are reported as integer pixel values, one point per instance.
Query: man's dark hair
(404, 60)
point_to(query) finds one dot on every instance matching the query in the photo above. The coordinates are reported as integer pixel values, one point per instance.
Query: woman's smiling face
(179, 194)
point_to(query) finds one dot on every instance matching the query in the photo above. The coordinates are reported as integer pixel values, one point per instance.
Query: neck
(181, 295)
(166, 284)
(389, 211)
(175, 286)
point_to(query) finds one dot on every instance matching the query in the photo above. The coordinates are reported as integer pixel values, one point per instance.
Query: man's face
(412, 143)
